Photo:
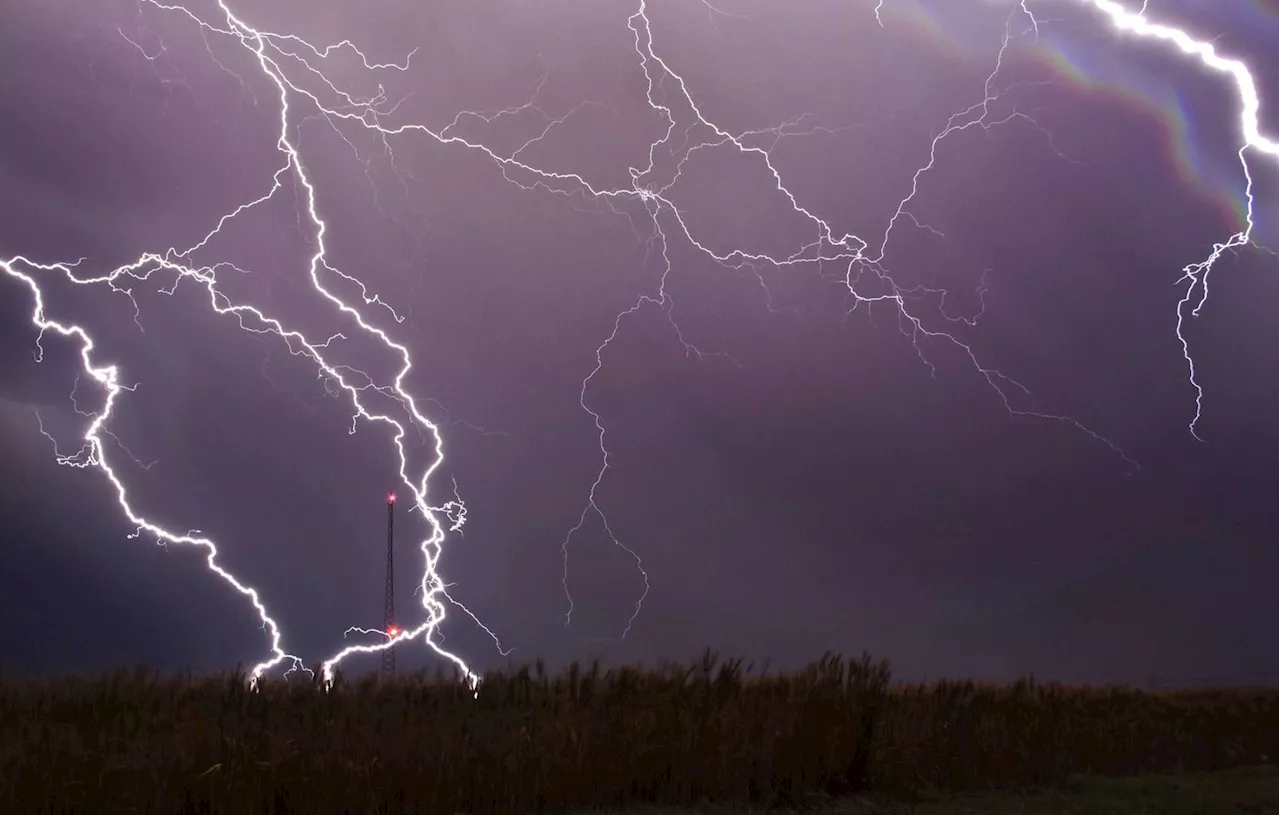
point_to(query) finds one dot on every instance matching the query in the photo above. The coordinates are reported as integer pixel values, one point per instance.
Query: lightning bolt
(865, 276)
(354, 382)
(93, 453)
(1196, 275)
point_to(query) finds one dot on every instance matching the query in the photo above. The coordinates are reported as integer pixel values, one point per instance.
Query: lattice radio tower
(389, 605)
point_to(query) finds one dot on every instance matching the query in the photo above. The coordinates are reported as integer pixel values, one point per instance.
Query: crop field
(707, 735)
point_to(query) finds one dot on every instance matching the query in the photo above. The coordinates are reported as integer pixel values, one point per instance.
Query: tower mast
(389, 604)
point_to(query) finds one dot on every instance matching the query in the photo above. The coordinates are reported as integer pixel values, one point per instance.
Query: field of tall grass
(676, 735)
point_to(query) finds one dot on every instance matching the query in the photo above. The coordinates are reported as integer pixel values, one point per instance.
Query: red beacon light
(392, 631)
(391, 498)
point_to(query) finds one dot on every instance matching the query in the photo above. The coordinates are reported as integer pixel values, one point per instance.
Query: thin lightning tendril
(272, 52)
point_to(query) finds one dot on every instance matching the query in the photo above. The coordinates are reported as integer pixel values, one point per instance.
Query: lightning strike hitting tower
(389, 604)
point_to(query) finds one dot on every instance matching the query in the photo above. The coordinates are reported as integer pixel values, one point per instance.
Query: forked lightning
(274, 54)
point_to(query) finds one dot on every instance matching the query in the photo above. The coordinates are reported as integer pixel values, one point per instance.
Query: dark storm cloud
(821, 490)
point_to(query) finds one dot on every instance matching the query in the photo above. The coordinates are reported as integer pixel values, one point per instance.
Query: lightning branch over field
(295, 71)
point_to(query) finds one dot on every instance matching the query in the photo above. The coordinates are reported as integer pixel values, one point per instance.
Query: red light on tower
(391, 498)
(392, 631)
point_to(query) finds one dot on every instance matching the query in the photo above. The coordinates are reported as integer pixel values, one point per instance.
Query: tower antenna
(389, 604)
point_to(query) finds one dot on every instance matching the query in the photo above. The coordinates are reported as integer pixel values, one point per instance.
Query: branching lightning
(278, 57)
(1196, 275)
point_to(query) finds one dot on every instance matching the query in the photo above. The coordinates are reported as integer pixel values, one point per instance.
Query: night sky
(818, 477)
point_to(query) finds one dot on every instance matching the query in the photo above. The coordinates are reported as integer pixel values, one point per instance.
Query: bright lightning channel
(1196, 275)
(271, 51)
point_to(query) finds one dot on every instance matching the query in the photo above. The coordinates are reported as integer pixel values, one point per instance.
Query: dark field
(1245, 791)
(836, 737)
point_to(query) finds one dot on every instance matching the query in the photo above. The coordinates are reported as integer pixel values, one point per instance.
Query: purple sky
(819, 478)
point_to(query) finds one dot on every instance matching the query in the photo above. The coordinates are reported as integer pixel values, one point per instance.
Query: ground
(1247, 791)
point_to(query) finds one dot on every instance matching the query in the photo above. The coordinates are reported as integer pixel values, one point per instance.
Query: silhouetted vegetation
(586, 738)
